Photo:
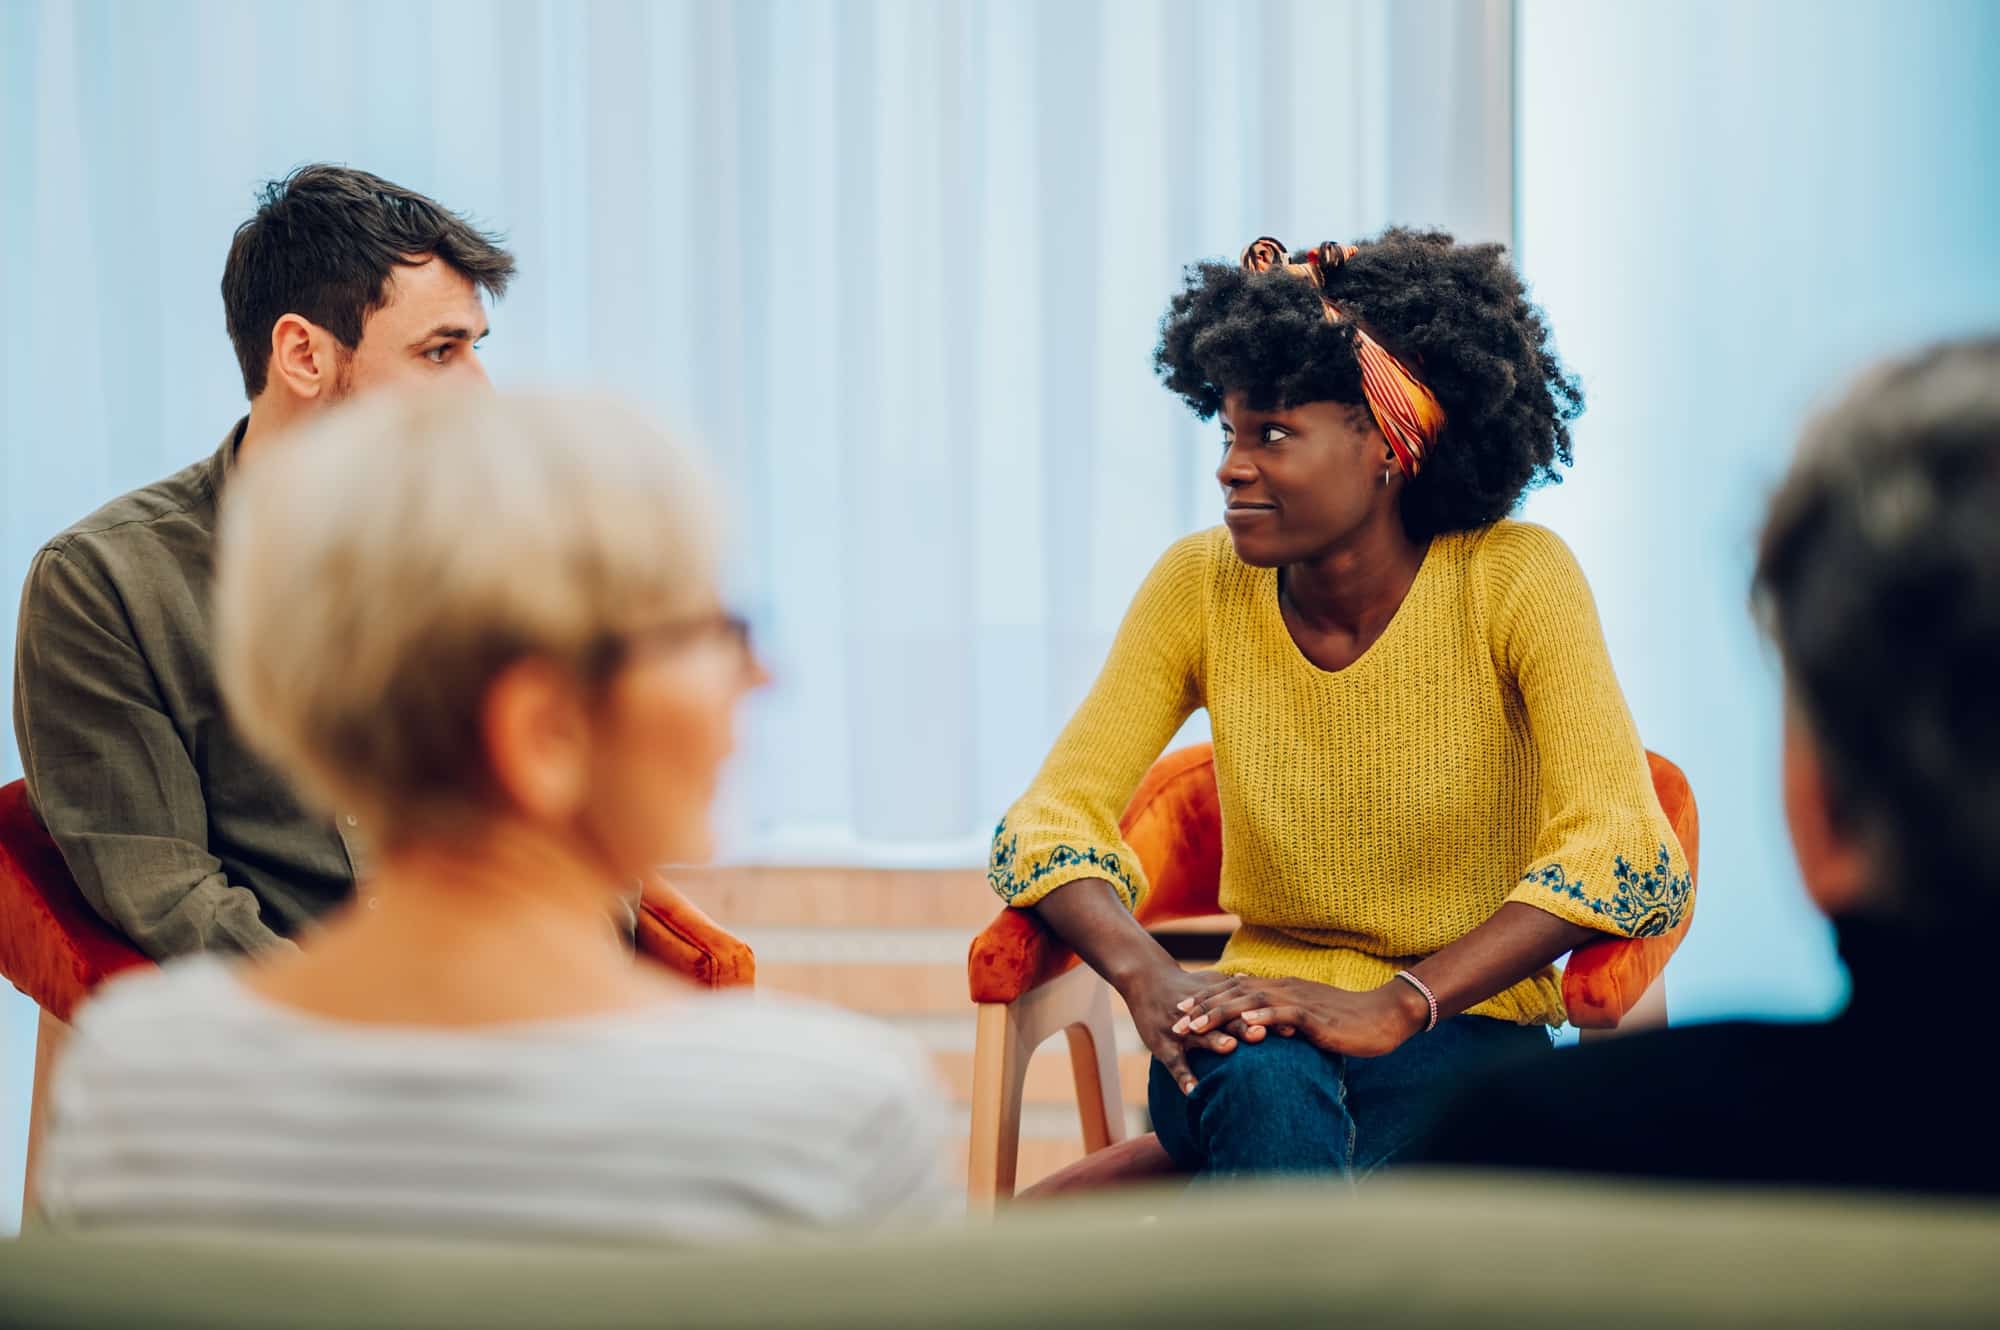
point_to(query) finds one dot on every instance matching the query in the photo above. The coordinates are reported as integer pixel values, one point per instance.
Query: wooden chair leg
(999, 1074)
(49, 1036)
(1077, 1003)
(1093, 1063)
(1650, 1011)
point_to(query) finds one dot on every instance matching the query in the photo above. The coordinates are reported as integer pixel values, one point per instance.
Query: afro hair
(1457, 315)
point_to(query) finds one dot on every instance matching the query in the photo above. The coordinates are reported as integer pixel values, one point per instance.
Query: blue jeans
(1283, 1106)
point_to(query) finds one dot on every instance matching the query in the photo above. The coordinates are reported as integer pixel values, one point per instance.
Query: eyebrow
(451, 332)
(1277, 417)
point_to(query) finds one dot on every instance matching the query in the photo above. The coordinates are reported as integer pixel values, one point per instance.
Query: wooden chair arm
(1077, 1004)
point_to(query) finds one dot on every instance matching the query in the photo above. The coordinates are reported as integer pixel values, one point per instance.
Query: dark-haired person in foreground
(1878, 577)
(183, 839)
(1431, 787)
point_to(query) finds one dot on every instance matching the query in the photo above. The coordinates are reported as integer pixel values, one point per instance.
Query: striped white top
(185, 1099)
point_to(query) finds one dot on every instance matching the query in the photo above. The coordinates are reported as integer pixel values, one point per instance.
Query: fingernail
(1201, 1022)
(1226, 1042)
(1187, 1087)
(1183, 1004)
(1181, 1026)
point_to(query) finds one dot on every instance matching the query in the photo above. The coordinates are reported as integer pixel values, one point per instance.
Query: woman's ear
(536, 730)
(1832, 854)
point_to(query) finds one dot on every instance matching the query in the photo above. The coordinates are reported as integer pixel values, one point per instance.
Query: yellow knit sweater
(1479, 752)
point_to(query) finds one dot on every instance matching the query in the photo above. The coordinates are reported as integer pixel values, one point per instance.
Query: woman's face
(1297, 481)
(663, 728)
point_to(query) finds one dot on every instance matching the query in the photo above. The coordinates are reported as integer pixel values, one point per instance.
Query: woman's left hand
(1363, 1025)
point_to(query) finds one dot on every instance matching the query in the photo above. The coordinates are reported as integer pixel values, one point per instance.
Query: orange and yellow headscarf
(1407, 412)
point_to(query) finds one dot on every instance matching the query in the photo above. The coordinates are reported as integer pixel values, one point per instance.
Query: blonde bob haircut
(375, 572)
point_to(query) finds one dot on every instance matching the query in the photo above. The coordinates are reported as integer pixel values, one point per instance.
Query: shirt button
(374, 903)
(353, 821)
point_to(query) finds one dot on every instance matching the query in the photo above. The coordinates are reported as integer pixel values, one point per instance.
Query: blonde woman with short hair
(490, 627)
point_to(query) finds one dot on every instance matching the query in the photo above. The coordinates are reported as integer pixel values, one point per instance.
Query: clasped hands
(1175, 1010)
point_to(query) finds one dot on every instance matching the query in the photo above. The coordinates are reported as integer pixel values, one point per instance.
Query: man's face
(426, 332)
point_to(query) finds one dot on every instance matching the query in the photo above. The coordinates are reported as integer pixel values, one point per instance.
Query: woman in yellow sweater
(1431, 787)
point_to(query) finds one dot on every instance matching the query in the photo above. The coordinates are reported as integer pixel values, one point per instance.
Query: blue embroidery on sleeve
(1006, 877)
(1641, 905)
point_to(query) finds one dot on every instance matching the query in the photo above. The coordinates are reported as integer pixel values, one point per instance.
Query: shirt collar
(224, 461)
(1899, 973)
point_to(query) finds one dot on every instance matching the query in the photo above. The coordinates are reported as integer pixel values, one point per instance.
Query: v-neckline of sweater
(1275, 612)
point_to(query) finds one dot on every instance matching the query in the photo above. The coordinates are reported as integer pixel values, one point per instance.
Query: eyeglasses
(616, 649)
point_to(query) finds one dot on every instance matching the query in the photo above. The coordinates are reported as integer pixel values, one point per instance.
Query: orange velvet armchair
(1028, 985)
(55, 948)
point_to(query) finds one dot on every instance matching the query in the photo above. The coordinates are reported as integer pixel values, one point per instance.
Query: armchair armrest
(53, 946)
(55, 949)
(1173, 824)
(675, 932)
(1014, 953)
(1604, 981)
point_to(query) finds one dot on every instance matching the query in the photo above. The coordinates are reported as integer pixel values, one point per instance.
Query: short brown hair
(322, 245)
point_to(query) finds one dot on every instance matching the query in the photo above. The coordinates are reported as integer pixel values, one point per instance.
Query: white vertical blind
(896, 264)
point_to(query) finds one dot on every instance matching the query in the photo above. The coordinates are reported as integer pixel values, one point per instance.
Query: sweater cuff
(1023, 880)
(1624, 900)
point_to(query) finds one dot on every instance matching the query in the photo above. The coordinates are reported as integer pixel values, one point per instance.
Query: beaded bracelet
(1430, 998)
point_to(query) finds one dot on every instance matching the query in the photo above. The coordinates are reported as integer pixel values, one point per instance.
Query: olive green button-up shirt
(180, 836)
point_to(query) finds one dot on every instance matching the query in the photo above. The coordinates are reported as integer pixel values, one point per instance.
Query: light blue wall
(1725, 208)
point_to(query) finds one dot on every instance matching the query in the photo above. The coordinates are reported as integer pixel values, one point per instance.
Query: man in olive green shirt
(175, 831)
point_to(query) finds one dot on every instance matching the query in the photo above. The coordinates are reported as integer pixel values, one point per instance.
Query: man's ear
(305, 358)
(1832, 851)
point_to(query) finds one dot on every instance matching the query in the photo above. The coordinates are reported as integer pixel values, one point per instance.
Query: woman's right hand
(1153, 996)
(1091, 917)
